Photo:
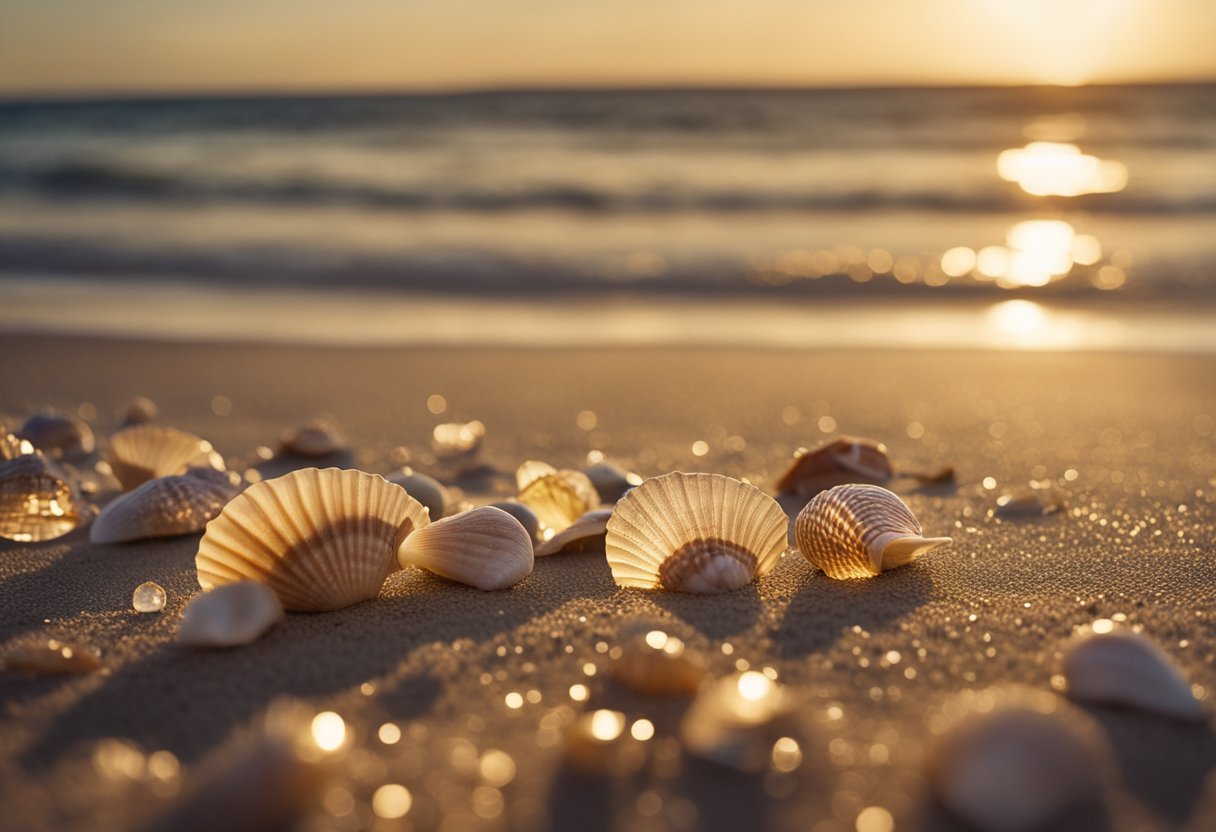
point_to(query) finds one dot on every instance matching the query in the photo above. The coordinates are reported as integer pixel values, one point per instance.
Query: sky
(155, 46)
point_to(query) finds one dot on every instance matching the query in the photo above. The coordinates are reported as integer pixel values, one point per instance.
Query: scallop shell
(1015, 761)
(36, 501)
(321, 539)
(1126, 668)
(558, 497)
(54, 658)
(144, 452)
(843, 460)
(58, 436)
(484, 547)
(165, 507)
(591, 525)
(525, 515)
(699, 533)
(230, 615)
(858, 531)
(736, 721)
(430, 492)
(312, 441)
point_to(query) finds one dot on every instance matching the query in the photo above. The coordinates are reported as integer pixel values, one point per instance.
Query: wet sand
(1129, 437)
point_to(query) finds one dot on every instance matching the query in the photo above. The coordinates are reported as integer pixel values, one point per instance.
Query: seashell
(166, 507)
(655, 663)
(1014, 762)
(322, 539)
(144, 452)
(484, 547)
(598, 744)
(526, 516)
(231, 615)
(843, 460)
(36, 501)
(54, 658)
(694, 533)
(736, 721)
(58, 436)
(430, 492)
(11, 447)
(455, 439)
(1035, 501)
(558, 497)
(1125, 668)
(314, 440)
(610, 482)
(858, 531)
(590, 527)
(140, 410)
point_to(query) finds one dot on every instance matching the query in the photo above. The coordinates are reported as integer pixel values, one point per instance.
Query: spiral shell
(321, 539)
(700, 533)
(582, 531)
(558, 497)
(844, 460)
(484, 547)
(858, 531)
(165, 507)
(144, 452)
(36, 501)
(1126, 668)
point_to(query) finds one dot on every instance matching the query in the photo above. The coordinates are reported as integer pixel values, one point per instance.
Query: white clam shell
(558, 497)
(321, 539)
(1125, 668)
(165, 507)
(484, 547)
(735, 721)
(591, 525)
(858, 531)
(1014, 762)
(144, 452)
(231, 615)
(699, 533)
(36, 501)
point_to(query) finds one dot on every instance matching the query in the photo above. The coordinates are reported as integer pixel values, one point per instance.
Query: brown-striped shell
(558, 497)
(321, 539)
(701, 533)
(166, 506)
(843, 460)
(36, 500)
(144, 452)
(858, 531)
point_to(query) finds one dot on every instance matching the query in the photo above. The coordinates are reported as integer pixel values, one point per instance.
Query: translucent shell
(582, 531)
(36, 501)
(165, 507)
(699, 533)
(1125, 668)
(321, 539)
(858, 531)
(844, 460)
(144, 452)
(484, 547)
(558, 497)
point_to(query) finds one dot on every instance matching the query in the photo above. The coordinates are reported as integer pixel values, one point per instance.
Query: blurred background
(1033, 173)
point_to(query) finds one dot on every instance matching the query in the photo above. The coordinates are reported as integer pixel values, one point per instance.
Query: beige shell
(140, 410)
(484, 547)
(230, 615)
(591, 525)
(699, 533)
(858, 531)
(53, 658)
(166, 507)
(36, 501)
(558, 497)
(426, 490)
(314, 440)
(144, 452)
(454, 439)
(654, 662)
(58, 436)
(843, 460)
(321, 539)
(735, 721)
(599, 743)
(1126, 668)
(1013, 761)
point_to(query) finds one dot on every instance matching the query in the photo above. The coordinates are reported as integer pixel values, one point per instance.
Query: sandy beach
(1128, 437)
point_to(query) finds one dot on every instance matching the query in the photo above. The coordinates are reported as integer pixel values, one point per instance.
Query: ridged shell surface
(144, 452)
(165, 507)
(484, 547)
(36, 501)
(559, 497)
(700, 533)
(1126, 668)
(321, 539)
(859, 531)
(844, 460)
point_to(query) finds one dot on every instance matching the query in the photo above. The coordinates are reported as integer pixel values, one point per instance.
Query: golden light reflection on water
(1060, 169)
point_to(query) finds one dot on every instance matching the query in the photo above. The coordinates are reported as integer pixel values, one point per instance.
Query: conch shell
(843, 460)
(484, 547)
(166, 507)
(144, 452)
(858, 531)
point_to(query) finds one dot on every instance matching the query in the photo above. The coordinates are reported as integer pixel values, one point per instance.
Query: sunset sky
(68, 46)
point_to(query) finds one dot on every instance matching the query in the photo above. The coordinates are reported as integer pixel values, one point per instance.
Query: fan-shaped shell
(844, 460)
(694, 533)
(1126, 668)
(321, 539)
(858, 531)
(484, 547)
(591, 525)
(558, 497)
(36, 501)
(165, 507)
(144, 452)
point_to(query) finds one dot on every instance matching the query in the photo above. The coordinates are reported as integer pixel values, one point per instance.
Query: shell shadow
(822, 608)
(713, 616)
